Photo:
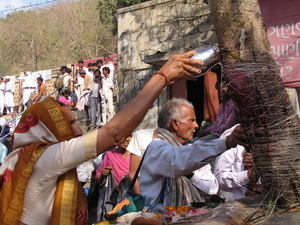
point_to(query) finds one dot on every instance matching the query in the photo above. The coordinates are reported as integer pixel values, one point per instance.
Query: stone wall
(148, 34)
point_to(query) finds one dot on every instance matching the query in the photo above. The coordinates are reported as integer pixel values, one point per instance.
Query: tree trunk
(269, 120)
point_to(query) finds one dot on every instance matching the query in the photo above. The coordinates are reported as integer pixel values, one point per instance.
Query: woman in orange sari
(35, 169)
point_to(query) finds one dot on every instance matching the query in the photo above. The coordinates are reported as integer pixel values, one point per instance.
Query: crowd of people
(94, 89)
(52, 162)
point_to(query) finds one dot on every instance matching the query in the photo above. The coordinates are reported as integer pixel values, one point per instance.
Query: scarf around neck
(183, 191)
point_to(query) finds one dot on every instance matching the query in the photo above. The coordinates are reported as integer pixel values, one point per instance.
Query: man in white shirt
(234, 173)
(79, 86)
(28, 86)
(9, 95)
(109, 64)
(2, 87)
(90, 70)
(95, 100)
(107, 105)
(57, 83)
(137, 146)
(67, 79)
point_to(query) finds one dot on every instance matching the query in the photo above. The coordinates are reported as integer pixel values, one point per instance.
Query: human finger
(190, 66)
(108, 167)
(180, 65)
(237, 137)
(248, 161)
(105, 171)
(187, 54)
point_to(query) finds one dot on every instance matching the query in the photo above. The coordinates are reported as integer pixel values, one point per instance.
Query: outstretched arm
(127, 119)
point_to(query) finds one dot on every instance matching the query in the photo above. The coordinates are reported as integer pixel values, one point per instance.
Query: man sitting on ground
(169, 162)
(235, 171)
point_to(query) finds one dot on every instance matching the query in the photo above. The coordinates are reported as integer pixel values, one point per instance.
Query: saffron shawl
(41, 125)
(183, 191)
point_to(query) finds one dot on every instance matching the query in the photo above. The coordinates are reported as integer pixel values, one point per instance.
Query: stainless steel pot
(210, 58)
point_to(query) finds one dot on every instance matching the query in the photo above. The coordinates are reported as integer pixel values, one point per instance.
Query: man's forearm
(37, 98)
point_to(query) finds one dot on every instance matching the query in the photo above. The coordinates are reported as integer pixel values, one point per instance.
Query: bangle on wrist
(164, 75)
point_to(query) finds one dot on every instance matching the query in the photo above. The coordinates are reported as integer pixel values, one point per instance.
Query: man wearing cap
(9, 91)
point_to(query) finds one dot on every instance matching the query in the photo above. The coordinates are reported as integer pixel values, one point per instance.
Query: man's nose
(196, 125)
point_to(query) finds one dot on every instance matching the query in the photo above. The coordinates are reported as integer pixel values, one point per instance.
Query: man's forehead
(187, 110)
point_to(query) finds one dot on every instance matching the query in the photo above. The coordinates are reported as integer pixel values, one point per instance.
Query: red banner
(282, 18)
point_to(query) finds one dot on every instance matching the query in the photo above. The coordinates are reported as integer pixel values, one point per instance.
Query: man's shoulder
(158, 143)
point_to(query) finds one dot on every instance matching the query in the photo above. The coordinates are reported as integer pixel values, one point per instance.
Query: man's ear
(174, 124)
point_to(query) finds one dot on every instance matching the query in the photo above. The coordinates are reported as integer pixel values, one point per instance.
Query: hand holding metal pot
(210, 58)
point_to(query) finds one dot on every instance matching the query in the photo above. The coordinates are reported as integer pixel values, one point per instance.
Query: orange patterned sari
(41, 125)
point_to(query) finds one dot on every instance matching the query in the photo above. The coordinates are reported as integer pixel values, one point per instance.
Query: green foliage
(47, 38)
(108, 10)
(125, 3)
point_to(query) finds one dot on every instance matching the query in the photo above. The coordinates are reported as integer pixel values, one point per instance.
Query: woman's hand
(180, 66)
(106, 170)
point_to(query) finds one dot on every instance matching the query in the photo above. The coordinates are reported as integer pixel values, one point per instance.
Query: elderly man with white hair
(169, 164)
